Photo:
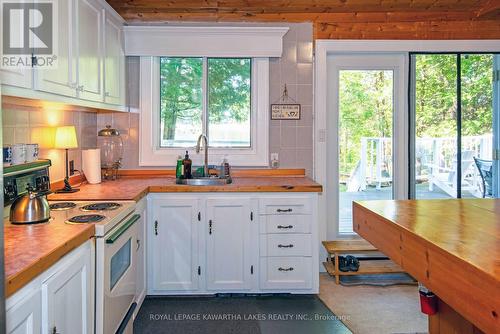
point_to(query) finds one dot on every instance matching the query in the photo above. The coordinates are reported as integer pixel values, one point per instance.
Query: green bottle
(179, 170)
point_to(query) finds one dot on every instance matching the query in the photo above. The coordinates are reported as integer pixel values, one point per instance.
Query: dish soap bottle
(179, 169)
(186, 164)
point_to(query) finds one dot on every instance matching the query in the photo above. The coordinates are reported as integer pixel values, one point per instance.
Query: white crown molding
(204, 41)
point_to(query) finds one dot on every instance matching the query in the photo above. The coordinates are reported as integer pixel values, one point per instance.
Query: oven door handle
(115, 236)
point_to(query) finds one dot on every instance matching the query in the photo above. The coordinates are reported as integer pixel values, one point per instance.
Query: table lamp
(66, 139)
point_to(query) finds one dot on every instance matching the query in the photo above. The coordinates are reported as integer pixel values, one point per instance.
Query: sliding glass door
(454, 108)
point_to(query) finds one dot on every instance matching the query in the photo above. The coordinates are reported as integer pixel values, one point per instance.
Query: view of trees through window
(221, 109)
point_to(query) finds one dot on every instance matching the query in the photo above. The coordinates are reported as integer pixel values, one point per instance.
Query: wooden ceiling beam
(296, 6)
(156, 17)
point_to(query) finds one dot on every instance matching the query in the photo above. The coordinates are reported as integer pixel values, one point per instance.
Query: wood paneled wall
(335, 19)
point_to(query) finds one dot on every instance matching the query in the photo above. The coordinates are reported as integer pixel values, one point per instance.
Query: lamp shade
(66, 137)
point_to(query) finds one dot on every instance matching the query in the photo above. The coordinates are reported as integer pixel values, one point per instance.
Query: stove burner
(105, 206)
(62, 206)
(85, 219)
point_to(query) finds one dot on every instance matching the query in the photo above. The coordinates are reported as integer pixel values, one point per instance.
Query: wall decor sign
(285, 108)
(285, 111)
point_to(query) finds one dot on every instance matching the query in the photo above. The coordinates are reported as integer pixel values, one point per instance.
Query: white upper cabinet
(90, 50)
(173, 245)
(90, 60)
(229, 247)
(114, 62)
(18, 78)
(62, 80)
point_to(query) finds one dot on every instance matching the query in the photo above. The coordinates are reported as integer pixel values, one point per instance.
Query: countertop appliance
(26, 185)
(17, 178)
(30, 208)
(116, 243)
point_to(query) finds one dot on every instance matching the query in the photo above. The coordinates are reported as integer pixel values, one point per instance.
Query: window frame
(150, 152)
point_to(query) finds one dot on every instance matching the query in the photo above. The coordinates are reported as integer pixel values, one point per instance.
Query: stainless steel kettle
(31, 208)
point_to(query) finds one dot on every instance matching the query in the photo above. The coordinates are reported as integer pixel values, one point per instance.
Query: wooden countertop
(451, 246)
(32, 249)
(134, 188)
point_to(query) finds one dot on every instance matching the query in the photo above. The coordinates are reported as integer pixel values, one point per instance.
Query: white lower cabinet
(26, 316)
(229, 244)
(60, 300)
(173, 244)
(239, 242)
(66, 297)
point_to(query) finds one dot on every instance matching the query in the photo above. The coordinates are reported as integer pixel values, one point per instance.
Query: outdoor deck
(371, 193)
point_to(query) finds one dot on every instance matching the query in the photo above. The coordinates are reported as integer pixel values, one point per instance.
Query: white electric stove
(116, 243)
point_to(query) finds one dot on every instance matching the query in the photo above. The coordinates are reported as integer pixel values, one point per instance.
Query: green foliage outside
(181, 81)
(366, 102)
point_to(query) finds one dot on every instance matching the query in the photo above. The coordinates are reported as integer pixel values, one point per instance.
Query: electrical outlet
(71, 167)
(275, 160)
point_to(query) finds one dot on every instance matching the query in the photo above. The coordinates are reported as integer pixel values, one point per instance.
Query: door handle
(285, 246)
(119, 232)
(285, 227)
(210, 226)
(156, 227)
(285, 269)
(138, 244)
(284, 210)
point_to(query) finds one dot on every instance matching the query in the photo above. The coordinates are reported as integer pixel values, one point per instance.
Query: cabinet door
(62, 80)
(25, 316)
(66, 298)
(173, 245)
(229, 244)
(90, 47)
(16, 77)
(114, 62)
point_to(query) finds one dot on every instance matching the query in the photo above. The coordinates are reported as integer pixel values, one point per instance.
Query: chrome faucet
(205, 145)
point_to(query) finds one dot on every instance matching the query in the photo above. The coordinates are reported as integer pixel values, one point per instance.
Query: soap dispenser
(186, 163)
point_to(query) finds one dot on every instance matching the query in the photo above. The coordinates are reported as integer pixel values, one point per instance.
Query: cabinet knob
(54, 330)
(210, 226)
(285, 246)
(156, 227)
(138, 244)
(80, 88)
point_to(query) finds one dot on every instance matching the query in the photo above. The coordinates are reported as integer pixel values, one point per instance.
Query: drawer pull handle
(285, 246)
(284, 210)
(285, 269)
(285, 227)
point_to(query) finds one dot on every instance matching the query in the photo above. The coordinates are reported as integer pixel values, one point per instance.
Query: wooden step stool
(356, 247)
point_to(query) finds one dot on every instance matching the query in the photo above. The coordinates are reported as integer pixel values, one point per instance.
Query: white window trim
(151, 154)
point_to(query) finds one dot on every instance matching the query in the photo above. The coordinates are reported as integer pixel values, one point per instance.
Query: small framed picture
(285, 111)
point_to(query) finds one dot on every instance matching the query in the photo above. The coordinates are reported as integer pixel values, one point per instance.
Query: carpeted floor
(253, 315)
(374, 309)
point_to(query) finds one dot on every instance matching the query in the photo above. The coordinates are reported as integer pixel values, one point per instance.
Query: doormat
(378, 280)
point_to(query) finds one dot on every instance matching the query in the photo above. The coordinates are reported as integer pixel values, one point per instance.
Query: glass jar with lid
(110, 143)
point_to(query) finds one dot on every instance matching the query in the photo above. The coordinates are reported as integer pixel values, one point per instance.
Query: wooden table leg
(336, 266)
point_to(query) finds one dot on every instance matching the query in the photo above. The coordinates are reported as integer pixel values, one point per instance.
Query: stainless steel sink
(204, 181)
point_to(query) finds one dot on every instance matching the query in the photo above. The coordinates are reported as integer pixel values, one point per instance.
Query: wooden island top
(451, 246)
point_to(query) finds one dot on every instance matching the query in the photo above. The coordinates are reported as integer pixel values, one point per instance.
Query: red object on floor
(428, 302)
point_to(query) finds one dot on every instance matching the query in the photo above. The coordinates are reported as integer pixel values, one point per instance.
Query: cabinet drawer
(285, 224)
(285, 206)
(285, 245)
(286, 273)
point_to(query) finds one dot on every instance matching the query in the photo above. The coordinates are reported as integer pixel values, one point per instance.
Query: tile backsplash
(292, 140)
(35, 124)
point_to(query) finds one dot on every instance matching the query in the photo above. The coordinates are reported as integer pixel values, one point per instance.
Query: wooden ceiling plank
(489, 7)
